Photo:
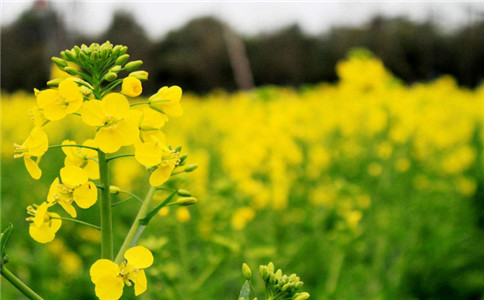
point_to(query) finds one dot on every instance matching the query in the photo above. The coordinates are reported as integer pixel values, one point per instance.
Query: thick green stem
(134, 228)
(106, 218)
(15, 281)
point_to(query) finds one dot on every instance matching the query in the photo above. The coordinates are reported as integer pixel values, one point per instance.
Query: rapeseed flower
(131, 87)
(36, 145)
(82, 157)
(73, 186)
(167, 101)
(117, 124)
(43, 224)
(57, 103)
(109, 278)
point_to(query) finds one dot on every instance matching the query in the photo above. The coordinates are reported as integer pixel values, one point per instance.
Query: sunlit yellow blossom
(109, 278)
(73, 187)
(183, 214)
(36, 144)
(151, 124)
(131, 87)
(167, 100)
(117, 124)
(82, 157)
(242, 217)
(154, 153)
(57, 103)
(43, 224)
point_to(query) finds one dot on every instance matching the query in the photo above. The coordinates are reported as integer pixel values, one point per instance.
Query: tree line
(195, 56)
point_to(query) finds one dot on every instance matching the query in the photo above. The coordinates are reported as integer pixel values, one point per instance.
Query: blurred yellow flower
(242, 217)
(183, 214)
(109, 278)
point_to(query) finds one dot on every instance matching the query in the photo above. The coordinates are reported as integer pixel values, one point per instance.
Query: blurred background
(342, 141)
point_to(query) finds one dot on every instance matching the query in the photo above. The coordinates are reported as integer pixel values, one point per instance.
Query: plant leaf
(245, 291)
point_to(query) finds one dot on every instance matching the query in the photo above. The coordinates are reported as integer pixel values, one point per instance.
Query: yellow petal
(139, 257)
(42, 234)
(161, 175)
(109, 288)
(174, 110)
(33, 169)
(47, 97)
(40, 214)
(69, 208)
(73, 176)
(37, 142)
(55, 111)
(69, 90)
(140, 282)
(115, 105)
(56, 223)
(92, 113)
(131, 87)
(103, 267)
(108, 139)
(153, 119)
(92, 169)
(148, 154)
(90, 152)
(68, 150)
(86, 195)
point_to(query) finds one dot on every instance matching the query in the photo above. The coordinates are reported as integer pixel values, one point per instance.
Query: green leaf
(245, 291)
(4, 238)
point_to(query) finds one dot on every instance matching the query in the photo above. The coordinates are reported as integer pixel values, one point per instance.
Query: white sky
(250, 17)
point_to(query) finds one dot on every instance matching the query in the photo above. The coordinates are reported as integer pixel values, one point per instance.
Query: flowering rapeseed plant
(89, 93)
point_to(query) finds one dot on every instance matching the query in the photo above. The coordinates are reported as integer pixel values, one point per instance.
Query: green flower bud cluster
(98, 63)
(280, 286)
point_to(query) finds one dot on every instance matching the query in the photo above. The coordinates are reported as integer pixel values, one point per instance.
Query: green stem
(132, 195)
(121, 202)
(79, 222)
(139, 103)
(78, 146)
(106, 218)
(15, 281)
(119, 156)
(134, 228)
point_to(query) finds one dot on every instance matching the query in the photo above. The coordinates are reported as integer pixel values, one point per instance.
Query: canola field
(367, 188)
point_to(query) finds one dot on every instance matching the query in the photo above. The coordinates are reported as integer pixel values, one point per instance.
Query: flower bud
(59, 62)
(114, 190)
(301, 296)
(69, 55)
(110, 76)
(191, 168)
(54, 82)
(122, 59)
(116, 49)
(123, 50)
(183, 159)
(185, 201)
(71, 71)
(183, 193)
(246, 271)
(115, 69)
(178, 148)
(132, 65)
(141, 75)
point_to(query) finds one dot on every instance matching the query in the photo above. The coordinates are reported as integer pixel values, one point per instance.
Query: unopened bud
(246, 271)
(110, 76)
(301, 296)
(178, 149)
(59, 62)
(133, 65)
(71, 71)
(123, 50)
(54, 82)
(183, 159)
(116, 49)
(191, 168)
(115, 69)
(185, 201)
(122, 59)
(114, 190)
(141, 75)
(68, 55)
(184, 193)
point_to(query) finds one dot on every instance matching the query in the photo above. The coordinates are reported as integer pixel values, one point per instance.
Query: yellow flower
(109, 278)
(56, 104)
(242, 217)
(74, 187)
(154, 153)
(167, 101)
(183, 214)
(82, 157)
(117, 123)
(151, 124)
(131, 87)
(36, 144)
(43, 227)
(37, 114)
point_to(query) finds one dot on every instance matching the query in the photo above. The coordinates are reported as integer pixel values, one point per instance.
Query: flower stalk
(19, 284)
(106, 216)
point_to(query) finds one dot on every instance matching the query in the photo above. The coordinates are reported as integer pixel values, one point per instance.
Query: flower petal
(73, 176)
(109, 288)
(161, 175)
(139, 256)
(103, 267)
(115, 105)
(140, 282)
(148, 154)
(92, 113)
(33, 169)
(42, 234)
(37, 143)
(86, 195)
